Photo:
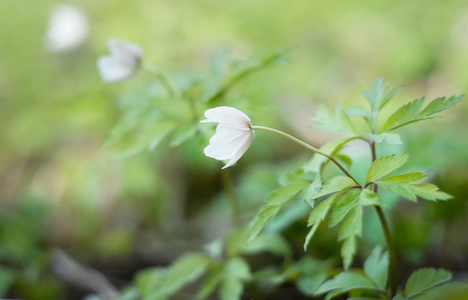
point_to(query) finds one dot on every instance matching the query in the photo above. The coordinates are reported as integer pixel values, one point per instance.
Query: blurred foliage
(62, 183)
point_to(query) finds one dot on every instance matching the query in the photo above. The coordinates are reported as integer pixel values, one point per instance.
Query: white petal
(226, 142)
(112, 70)
(127, 53)
(228, 116)
(242, 149)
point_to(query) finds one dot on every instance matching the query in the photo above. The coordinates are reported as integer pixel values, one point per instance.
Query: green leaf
(346, 281)
(424, 279)
(269, 242)
(309, 284)
(368, 197)
(399, 297)
(352, 224)
(240, 71)
(158, 133)
(160, 283)
(377, 97)
(439, 105)
(183, 133)
(348, 250)
(349, 229)
(410, 191)
(236, 273)
(146, 280)
(389, 137)
(409, 113)
(317, 215)
(343, 206)
(338, 121)
(274, 203)
(385, 165)
(336, 184)
(405, 178)
(449, 291)
(309, 191)
(376, 267)
(210, 283)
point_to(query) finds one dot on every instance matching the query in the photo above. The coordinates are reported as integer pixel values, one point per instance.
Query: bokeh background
(120, 211)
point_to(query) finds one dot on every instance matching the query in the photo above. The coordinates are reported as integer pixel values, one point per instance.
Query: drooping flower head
(233, 136)
(122, 62)
(67, 30)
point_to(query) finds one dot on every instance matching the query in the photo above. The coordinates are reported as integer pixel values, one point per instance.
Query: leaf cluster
(170, 107)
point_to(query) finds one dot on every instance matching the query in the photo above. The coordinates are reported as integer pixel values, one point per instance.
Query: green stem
(313, 149)
(388, 236)
(231, 195)
(163, 80)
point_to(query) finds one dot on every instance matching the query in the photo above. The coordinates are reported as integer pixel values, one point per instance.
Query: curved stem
(313, 149)
(388, 236)
(162, 79)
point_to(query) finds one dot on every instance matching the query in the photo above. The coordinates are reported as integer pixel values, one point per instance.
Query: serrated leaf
(349, 229)
(391, 138)
(410, 113)
(385, 165)
(377, 96)
(309, 191)
(348, 250)
(317, 215)
(410, 191)
(345, 281)
(337, 121)
(376, 267)
(343, 206)
(368, 197)
(439, 105)
(424, 279)
(236, 273)
(336, 184)
(406, 114)
(274, 203)
(452, 291)
(358, 111)
(411, 177)
(352, 224)
(163, 283)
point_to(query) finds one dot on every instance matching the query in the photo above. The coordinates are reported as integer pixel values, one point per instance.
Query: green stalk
(311, 148)
(388, 236)
(163, 80)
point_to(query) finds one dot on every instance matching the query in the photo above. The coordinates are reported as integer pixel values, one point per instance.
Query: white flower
(233, 136)
(68, 29)
(122, 62)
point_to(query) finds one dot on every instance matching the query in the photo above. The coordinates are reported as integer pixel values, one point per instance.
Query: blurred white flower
(233, 136)
(68, 29)
(122, 62)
